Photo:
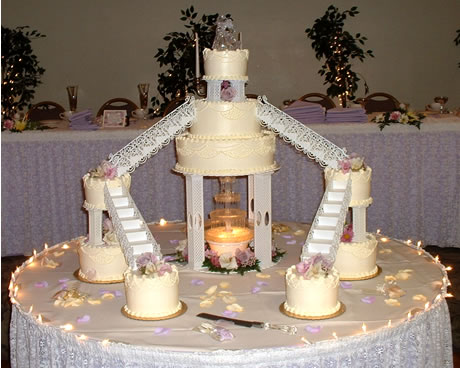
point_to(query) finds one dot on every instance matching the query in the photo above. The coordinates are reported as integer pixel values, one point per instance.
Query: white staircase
(327, 226)
(131, 229)
(147, 144)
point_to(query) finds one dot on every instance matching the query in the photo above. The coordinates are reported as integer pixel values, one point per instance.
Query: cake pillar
(251, 198)
(359, 223)
(263, 218)
(95, 226)
(195, 220)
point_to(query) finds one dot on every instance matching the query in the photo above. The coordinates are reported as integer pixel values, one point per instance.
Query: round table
(412, 330)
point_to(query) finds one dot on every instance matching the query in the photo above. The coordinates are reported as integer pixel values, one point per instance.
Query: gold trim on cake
(80, 276)
(375, 273)
(339, 312)
(182, 310)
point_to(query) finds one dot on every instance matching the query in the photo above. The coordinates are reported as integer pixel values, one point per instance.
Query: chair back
(45, 110)
(118, 103)
(319, 98)
(174, 104)
(379, 102)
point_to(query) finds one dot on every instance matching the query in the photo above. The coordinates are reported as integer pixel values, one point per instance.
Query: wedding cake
(357, 252)
(152, 291)
(226, 137)
(312, 289)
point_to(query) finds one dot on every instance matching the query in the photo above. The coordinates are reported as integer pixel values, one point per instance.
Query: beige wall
(107, 46)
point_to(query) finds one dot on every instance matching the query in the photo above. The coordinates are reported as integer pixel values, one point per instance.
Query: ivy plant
(21, 70)
(338, 48)
(179, 57)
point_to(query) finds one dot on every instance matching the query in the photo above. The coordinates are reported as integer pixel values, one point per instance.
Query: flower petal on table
(229, 299)
(197, 282)
(58, 253)
(228, 313)
(161, 331)
(287, 236)
(211, 290)
(299, 232)
(290, 242)
(346, 285)
(235, 308)
(94, 301)
(392, 302)
(263, 275)
(63, 281)
(395, 291)
(41, 284)
(313, 329)
(403, 275)
(368, 299)
(255, 290)
(207, 303)
(224, 284)
(419, 298)
(281, 272)
(262, 283)
(389, 278)
(385, 251)
(84, 319)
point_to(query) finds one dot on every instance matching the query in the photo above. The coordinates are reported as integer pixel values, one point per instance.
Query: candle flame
(408, 242)
(31, 309)
(46, 246)
(420, 252)
(30, 260)
(10, 287)
(105, 342)
(378, 231)
(335, 335)
(67, 327)
(449, 268)
(409, 315)
(419, 244)
(364, 327)
(436, 259)
(305, 341)
(163, 222)
(35, 252)
(427, 305)
(384, 239)
(82, 337)
(16, 289)
(438, 297)
(65, 246)
(13, 301)
(39, 318)
(449, 295)
(389, 323)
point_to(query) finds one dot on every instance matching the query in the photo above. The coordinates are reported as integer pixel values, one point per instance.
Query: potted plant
(179, 58)
(338, 47)
(21, 71)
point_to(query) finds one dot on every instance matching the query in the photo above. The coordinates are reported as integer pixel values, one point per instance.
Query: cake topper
(226, 37)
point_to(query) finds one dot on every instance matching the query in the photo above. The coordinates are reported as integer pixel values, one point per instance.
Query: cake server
(291, 330)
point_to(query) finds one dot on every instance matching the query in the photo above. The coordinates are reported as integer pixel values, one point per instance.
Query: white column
(263, 218)
(359, 223)
(95, 227)
(195, 220)
(251, 198)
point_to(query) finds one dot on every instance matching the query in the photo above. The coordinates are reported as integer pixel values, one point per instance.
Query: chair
(174, 104)
(318, 98)
(379, 102)
(118, 103)
(45, 110)
(251, 95)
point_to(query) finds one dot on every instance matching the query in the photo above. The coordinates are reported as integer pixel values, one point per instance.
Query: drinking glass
(72, 92)
(442, 100)
(143, 94)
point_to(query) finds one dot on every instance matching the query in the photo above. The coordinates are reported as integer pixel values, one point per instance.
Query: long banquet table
(415, 185)
(376, 330)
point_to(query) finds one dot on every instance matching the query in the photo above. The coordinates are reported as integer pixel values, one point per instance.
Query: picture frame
(114, 118)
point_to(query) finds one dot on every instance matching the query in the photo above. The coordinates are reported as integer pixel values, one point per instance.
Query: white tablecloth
(416, 176)
(419, 336)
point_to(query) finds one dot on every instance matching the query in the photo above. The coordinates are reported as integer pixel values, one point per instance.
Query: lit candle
(67, 327)
(163, 222)
(39, 318)
(389, 323)
(409, 242)
(384, 239)
(46, 247)
(82, 337)
(419, 244)
(427, 305)
(105, 342)
(378, 231)
(449, 295)
(409, 316)
(31, 309)
(335, 335)
(449, 268)
(364, 327)
(35, 253)
(197, 57)
(65, 246)
(436, 259)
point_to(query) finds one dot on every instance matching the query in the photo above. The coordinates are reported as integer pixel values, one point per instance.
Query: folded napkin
(306, 112)
(83, 120)
(346, 115)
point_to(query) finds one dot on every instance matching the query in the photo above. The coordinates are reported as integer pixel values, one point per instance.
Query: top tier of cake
(225, 65)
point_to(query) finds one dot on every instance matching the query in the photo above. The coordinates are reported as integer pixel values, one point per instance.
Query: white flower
(379, 118)
(357, 163)
(404, 119)
(182, 245)
(227, 261)
(110, 238)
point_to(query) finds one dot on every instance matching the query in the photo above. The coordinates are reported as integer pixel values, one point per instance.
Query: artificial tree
(179, 57)
(338, 48)
(21, 71)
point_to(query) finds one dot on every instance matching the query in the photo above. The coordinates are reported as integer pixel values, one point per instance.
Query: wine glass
(143, 94)
(72, 92)
(442, 100)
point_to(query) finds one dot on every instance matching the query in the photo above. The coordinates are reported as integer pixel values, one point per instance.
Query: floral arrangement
(314, 267)
(353, 163)
(105, 170)
(19, 125)
(241, 262)
(182, 252)
(399, 116)
(227, 92)
(152, 265)
(347, 235)
(110, 237)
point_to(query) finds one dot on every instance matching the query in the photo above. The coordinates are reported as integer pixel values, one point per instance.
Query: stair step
(327, 220)
(335, 196)
(132, 224)
(323, 234)
(331, 208)
(141, 247)
(338, 184)
(120, 202)
(136, 236)
(115, 191)
(125, 212)
(318, 246)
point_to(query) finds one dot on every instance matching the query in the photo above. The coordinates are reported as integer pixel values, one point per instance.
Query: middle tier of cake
(224, 155)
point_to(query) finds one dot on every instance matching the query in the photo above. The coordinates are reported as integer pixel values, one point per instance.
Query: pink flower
(110, 171)
(395, 115)
(8, 124)
(225, 84)
(146, 258)
(347, 235)
(165, 267)
(107, 225)
(215, 261)
(228, 94)
(345, 166)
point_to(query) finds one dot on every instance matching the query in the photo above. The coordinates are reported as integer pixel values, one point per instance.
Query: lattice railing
(304, 139)
(147, 144)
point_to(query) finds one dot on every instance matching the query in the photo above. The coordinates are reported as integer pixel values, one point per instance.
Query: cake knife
(291, 330)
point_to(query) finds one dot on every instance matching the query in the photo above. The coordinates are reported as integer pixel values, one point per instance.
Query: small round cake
(313, 297)
(360, 186)
(94, 188)
(101, 263)
(152, 296)
(228, 64)
(356, 260)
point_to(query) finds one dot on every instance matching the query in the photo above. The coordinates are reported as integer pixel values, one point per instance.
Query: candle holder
(72, 93)
(143, 95)
(201, 89)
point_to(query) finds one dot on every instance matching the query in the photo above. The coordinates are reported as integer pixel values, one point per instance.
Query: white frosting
(356, 260)
(148, 296)
(101, 263)
(94, 189)
(360, 186)
(225, 118)
(225, 65)
(225, 155)
(314, 297)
